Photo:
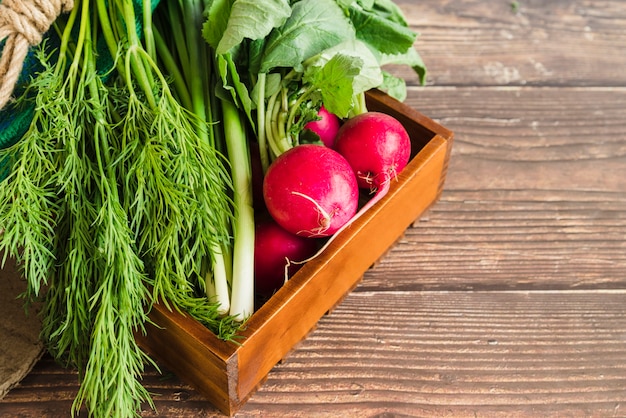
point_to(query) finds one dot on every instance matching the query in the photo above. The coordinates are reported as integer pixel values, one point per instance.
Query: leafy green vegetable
(230, 280)
(380, 31)
(368, 75)
(231, 86)
(313, 26)
(336, 76)
(251, 19)
(326, 51)
(242, 297)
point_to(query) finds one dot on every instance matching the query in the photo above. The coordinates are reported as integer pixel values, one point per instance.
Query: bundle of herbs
(132, 184)
(114, 201)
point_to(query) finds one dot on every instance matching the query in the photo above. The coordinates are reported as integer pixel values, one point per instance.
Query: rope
(23, 24)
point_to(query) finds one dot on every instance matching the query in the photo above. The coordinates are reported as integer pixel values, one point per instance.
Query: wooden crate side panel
(295, 309)
(196, 355)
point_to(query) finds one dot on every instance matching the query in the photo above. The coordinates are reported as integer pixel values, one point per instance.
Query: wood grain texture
(422, 354)
(487, 43)
(534, 197)
(458, 353)
(508, 298)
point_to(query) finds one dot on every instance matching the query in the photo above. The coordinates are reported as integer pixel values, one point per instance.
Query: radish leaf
(230, 22)
(336, 76)
(232, 84)
(314, 25)
(369, 75)
(383, 34)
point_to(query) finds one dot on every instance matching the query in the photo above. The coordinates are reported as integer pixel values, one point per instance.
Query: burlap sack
(20, 347)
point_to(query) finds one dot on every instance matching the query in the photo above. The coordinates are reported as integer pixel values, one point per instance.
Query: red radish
(326, 127)
(377, 147)
(311, 190)
(274, 250)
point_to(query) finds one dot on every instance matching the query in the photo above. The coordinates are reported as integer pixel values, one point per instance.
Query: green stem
(147, 28)
(276, 119)
(128, 19)
(283, 136)
(216, 283)
(108, 33)
(295, 108)
(242, 298)
(270, 125)
(174, 13)
(198, 66)
(65, 39)
(135, 65)
(142, 76)
(83, 33)
(261, 122)
(360, 105)
(169, 64)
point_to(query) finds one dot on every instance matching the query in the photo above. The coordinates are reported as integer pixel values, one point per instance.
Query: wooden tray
(228, 373)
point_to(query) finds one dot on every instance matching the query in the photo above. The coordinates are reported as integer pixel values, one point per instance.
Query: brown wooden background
(509, 297)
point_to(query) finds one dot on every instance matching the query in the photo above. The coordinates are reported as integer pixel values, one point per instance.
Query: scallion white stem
(242, 297)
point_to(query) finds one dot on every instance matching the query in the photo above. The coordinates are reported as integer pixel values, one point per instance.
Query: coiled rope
(23, 24)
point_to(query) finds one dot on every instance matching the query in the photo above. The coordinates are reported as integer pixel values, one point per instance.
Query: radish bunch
(312, 191)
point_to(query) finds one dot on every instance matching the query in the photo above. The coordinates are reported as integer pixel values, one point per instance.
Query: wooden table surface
(508, 298)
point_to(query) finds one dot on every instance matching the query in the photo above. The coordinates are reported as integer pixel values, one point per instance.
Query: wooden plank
(457, 353)
(556, 43)
(554, 139)
(509, 241)
(537, 353)
(534, 196)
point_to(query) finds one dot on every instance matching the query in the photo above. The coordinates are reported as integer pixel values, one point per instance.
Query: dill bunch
(114, 202)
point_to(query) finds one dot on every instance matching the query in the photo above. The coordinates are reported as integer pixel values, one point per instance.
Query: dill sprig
(28, 196)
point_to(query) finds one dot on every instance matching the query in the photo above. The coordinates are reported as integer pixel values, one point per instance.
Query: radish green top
(284, 61)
